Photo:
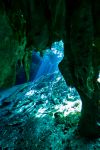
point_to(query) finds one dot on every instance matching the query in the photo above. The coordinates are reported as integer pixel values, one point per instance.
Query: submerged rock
(27, 103)
(36, 116)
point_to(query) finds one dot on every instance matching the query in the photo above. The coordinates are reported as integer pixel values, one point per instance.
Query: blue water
(42, 65)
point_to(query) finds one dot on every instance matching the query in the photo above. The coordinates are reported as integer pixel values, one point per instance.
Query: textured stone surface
(37, 24)
(81, 63)
(37, 116)
(27, 25)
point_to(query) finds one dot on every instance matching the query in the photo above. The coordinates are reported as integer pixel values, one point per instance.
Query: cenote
(49, 75)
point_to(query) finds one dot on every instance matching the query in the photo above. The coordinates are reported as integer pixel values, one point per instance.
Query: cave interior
(49, 75)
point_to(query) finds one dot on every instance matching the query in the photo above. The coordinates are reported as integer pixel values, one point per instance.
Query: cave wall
(10, 52)
(29, 24)
(37, 24)
(26, 25)
(81, 64)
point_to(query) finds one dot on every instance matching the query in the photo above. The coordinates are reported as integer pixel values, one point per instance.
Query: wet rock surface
(38, 116)
(25, 25)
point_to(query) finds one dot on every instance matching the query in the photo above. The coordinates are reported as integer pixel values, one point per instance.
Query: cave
(49, 75)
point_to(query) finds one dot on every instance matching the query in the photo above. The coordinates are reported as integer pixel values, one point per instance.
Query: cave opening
(48, 63)
(38, 110)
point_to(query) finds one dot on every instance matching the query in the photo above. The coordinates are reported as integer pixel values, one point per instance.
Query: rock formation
(29, 24)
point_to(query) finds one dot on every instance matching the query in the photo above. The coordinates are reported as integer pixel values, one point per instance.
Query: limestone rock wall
(37, 24)
(25, 25)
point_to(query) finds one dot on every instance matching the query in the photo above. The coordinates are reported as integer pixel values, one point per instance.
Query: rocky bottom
(42, 115)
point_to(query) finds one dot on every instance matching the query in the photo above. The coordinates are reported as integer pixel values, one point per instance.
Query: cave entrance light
(47, 64)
